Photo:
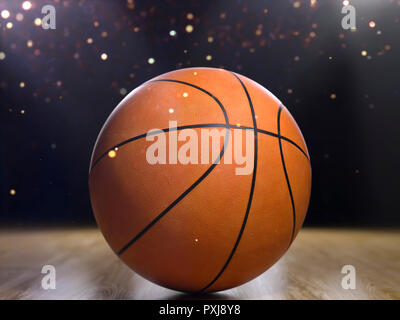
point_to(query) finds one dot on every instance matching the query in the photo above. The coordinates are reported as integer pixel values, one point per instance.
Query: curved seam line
(253, 182)
(194, 126)
(197, 182)
(286, 175)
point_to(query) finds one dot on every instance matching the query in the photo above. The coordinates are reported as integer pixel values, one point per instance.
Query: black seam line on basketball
(202, 90)
(176, 81)
(286, 174)
(286, 139)
(195, 184)
(155, 132)
(253, 182)
(194, 126)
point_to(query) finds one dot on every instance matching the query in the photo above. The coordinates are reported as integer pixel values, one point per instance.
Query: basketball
(200, 180)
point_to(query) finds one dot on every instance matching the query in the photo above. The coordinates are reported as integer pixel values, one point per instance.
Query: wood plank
(86, 268)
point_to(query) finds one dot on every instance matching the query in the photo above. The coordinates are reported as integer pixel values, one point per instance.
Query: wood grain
(87, 269)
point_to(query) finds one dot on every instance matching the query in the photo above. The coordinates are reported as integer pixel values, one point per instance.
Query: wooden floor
(87, 269)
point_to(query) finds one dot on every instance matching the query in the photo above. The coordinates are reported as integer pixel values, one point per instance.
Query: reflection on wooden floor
(87, 269)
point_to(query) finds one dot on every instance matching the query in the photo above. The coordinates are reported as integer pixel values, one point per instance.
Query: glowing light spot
(104, 56)
(313, 3)
(387, 47)
(372, 24)
(26, 5)
(123, 91)
(171, 110)
(89, 40)
(296, 4)
(104, 34)
(9, 25)
(238, 125)
(209, 57)
(364, 53)
(112, 154)
(333, 96)
(22, 84)
(190, 16)
(5, 14)
(130, 4)
(2, 55)
(189, 28)
(151, 60)
(346, 3)
(195, 73)
(22, 111)
(58, 83)
(172, 33)
(96, 24)
(196, 240)
(38, 22)
(210, 39)
(13, 192)
(185, 95)
(290, 91)
(29, 43)
(19, 17)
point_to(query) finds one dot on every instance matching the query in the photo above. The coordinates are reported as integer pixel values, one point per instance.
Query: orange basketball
(200, 180)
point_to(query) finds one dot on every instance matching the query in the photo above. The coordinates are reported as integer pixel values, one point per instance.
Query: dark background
(345, 103)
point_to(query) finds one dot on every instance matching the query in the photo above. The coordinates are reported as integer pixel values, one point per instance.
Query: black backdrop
(346, 103)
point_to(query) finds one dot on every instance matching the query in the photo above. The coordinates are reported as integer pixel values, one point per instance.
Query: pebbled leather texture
(200, 227)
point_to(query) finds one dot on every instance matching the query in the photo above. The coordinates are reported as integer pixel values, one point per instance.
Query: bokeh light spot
(26, 5)
(112, 154)
(189, 28)
(5, 14)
